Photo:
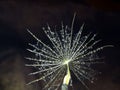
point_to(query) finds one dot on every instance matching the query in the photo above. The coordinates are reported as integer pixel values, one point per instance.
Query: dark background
(100, 16)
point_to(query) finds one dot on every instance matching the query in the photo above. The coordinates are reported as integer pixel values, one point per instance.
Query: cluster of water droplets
(50, 60)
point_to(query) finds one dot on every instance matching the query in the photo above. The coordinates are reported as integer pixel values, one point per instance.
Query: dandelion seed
(76, 52)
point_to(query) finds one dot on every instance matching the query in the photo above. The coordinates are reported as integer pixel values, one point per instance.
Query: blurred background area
(99, 16)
